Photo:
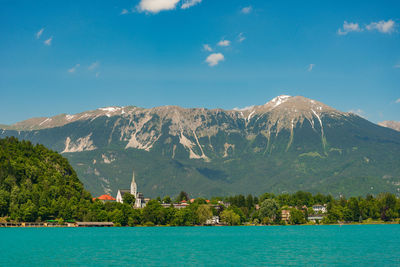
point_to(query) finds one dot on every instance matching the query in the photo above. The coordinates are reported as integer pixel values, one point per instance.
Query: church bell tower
(133, 185)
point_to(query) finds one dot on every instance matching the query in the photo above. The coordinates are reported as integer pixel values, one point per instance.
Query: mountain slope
(288, 144)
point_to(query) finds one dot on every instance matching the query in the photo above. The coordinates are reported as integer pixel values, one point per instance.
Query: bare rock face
(395, 125)
(143, 128)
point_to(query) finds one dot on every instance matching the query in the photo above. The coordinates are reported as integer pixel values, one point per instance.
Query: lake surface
(348, 245)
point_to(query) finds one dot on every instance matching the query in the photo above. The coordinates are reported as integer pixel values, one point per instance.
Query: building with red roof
(105, 198)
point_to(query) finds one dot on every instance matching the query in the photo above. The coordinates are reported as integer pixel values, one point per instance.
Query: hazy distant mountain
(395, 125)
(288, 144)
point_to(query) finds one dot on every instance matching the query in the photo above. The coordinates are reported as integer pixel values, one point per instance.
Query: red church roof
(105, 197)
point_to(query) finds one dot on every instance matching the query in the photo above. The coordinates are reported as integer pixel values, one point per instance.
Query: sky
(73, 56)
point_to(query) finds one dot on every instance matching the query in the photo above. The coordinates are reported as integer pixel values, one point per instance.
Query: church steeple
(133, 185)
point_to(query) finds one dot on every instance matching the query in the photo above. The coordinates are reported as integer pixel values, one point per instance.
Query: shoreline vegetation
(301, 208)
(41, 224)
(38, 185)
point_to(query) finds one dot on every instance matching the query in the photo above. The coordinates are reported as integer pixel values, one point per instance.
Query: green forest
(37, 184)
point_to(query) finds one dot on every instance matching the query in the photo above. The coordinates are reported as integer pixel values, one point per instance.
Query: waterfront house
(285, 215)
(213, 220)
(319, 208)
(105, 198)
(181, 205)
(315, 217)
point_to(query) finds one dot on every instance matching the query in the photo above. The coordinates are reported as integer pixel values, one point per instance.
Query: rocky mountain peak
(395, 125)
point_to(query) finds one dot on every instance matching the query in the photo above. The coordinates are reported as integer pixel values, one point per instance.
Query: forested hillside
(38, 184)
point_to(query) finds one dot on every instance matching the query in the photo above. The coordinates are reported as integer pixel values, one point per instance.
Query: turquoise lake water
(348, 245)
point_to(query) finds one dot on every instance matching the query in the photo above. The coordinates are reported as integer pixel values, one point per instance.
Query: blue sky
(71, 56)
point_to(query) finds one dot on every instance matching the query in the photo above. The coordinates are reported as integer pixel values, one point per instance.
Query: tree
(167, 200)
(335, 214)
(134, 217)
(102, 216)
(354, 207)
(184, 217)
(28, 211)
(296, 217)
(4, 202)
(269, 208)
(230, 217)
(153, 212)
(128, 199)
(204, 213)
(182, 196)
(117, 217)
(387, 203)
(249, 202)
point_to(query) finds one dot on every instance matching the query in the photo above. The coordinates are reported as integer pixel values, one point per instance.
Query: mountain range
(290, 143)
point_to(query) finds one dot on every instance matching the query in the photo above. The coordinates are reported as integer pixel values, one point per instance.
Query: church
(139, 198)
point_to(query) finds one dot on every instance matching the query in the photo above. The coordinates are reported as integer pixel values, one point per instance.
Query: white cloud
(73, 69)
(190, 3)
(349, 27)
(124, 11)
(155, 6)
(214, 59)
(243, 109)
(48, 41)
(310, 67)
(246, 10)
(382, 26)
(224, 43)
(207, 47)
(39, 33)
(241, 37)
(397, 101)
(94, 65)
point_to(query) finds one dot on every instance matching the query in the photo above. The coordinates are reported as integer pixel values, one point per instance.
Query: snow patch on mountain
(278, 100)
(251, 114)
(46, 120)
(69, 117)
(110, 109)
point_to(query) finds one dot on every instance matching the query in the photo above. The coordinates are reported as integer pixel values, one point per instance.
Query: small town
(131, 208)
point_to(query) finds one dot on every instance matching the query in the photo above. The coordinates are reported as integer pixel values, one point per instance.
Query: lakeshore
(111, 224)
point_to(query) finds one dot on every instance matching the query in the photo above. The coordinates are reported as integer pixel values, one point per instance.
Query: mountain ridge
(287, 144)
(37, 123)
